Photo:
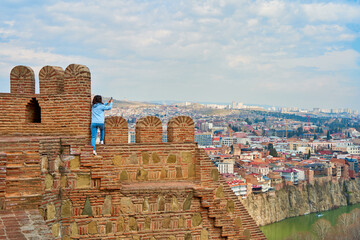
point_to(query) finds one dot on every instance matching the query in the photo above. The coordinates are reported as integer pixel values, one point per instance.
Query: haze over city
(282, 53)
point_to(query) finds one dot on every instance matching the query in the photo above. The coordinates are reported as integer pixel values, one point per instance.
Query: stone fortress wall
(145, 190)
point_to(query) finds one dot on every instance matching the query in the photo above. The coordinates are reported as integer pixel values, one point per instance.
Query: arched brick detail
(181, 129)
(77, 79)
(148, 130)
(116, 130)
(22, 80)
(51, 80)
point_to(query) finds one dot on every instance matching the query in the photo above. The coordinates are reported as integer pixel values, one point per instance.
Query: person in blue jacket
(98, 119)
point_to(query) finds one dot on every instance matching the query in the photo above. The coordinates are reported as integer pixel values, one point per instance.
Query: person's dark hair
(97, 99)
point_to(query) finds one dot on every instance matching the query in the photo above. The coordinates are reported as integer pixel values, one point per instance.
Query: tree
(328, 137)
(355, 215)
(321, 228)
(343, 221)
(272, 150)
(248, 121)
(309, 154)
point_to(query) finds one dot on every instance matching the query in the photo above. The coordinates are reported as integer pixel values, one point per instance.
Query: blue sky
(284, 53)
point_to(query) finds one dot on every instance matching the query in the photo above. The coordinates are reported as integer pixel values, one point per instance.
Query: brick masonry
(147, 190)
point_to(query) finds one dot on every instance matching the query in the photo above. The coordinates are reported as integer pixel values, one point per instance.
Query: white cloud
(254, 45)
(332, 12)
(330, 61)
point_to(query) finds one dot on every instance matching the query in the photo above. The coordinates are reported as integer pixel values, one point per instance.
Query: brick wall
(145, 190)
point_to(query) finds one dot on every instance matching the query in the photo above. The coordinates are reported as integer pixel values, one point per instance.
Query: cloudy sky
(284, 53)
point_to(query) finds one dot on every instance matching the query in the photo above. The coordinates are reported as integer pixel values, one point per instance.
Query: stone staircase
(246, 228)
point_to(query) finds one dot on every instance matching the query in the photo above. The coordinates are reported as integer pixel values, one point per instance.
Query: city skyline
(279, 53)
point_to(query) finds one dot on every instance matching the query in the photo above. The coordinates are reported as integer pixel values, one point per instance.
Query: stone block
(107, 206)
(50, 212)
(147, 223)
(117, 160)
(120, 224)
(83, 181)
(124, 175)
(196, 219)
(155, 158)
(238, 222)
(133, 159)
(133, 224)
(75, 163)
(49, 181)
(146, 205)
(215, 174)
(230, 206)
(164, 173)
(44, 163)
(63, 180)
(166, 223)
(87, 210)
(204, 235)
(174, 206)
(74, 230)
(92, 228)
(161, 203)
(55, 229)
(108, 227)
(145, 158)
(66, 208)
(126, 205)
(191, 170)
(171, 158)
(142, 175)
(187, 202)
(220, 192)
(186, 157)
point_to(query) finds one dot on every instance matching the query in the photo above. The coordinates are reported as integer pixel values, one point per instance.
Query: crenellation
(181, 129)
(22, 80)
(51, 80)
(77, 80)
(116, 130)
(148, 130)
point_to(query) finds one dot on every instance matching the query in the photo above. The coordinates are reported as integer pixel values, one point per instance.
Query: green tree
(248, 121)
(272, 150)
(309, 154)
(328, 137)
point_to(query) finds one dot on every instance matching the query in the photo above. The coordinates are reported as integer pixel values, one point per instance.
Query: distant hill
(125, 103)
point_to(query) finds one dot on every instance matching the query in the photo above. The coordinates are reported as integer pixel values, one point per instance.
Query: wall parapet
(148, 130)
(63, 106)
(116, 130)
(22, 80)
(180, 129)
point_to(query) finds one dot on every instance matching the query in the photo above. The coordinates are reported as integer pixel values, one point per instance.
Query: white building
(226, 166)
(354, 149)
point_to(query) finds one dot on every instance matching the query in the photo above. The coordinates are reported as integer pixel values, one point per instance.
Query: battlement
(53, 80)
(62, 107)
(149, 130)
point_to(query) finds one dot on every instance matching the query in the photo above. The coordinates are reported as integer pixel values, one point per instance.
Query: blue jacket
(98, 109)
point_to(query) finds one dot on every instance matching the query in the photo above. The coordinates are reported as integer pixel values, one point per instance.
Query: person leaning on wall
(98, 119)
